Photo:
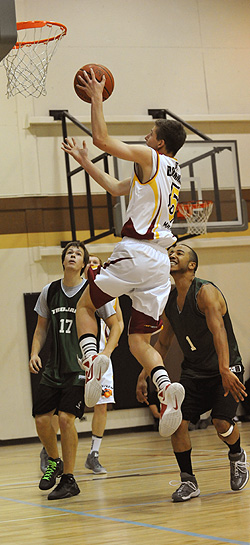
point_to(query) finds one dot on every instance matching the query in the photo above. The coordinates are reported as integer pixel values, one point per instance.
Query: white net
(27, 63)
(196, 215)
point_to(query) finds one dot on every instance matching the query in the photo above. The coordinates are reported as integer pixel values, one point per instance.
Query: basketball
(99, 71)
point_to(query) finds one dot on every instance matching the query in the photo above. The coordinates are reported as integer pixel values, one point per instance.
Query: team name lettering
(171, 171)
(63, 309)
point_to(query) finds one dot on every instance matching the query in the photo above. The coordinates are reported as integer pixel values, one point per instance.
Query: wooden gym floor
(132, 504)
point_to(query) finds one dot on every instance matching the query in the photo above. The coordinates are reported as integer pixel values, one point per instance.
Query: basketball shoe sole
(171, 399)
(95, 368)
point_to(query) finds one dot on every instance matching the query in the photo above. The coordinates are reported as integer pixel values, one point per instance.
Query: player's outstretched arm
(136, 153)
(109, 183)
(212, 303)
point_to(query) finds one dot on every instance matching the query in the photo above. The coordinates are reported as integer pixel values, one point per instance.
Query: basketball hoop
(196, 214)
(27, 62)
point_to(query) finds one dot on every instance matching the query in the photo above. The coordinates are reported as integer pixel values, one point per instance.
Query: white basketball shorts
(141, 270)
(107, 386)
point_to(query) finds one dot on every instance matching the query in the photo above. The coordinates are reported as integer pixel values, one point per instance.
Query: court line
(123, 472)
(129, 522)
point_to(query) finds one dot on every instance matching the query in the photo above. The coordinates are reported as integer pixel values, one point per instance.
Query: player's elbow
(99, 142)
(114, 191)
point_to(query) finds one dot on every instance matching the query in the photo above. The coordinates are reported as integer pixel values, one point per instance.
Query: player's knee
(42, 422)
(137, 342)
(66, 421)
(182, 430)
(223, 427)
(100, 409)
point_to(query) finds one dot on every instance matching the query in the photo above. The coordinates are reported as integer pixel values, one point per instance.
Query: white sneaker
(95, 368)
(171, 398)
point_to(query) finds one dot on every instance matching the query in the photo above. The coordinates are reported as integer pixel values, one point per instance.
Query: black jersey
(62, 363)
(194, 337)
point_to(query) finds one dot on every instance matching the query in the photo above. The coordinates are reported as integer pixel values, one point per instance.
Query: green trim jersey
(57, 303)
(194, 337)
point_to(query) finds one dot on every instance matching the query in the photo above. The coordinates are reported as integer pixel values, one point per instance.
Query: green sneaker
(54, 470)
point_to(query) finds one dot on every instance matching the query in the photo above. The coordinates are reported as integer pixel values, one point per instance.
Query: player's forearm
(107, 182)
(38, 342)
(98, 123)
(36, 347)
(222, 350)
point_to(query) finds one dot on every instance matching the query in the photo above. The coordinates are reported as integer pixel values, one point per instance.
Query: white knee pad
(228, 432)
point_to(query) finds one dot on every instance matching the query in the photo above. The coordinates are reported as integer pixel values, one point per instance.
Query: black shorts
(69, 400)
(202, 395)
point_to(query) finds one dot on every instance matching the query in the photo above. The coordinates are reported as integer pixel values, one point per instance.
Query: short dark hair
(193, 255)
(77, 244)
(172, 132)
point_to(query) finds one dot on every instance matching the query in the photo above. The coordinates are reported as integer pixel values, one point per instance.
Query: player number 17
(65, 326)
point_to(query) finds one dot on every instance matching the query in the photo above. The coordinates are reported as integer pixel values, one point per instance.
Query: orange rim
(191, 205)
(39, 24)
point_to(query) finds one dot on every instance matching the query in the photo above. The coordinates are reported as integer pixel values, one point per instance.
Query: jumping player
(212, 369)
(139, 265)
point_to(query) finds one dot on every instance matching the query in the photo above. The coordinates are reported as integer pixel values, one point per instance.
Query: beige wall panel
(8, 108)
(224, 23)
(227, 72)
(144, 78)
(11, 177)
(118, 23)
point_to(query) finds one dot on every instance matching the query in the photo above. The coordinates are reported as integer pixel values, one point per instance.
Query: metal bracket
(158, 114)
(57, 114)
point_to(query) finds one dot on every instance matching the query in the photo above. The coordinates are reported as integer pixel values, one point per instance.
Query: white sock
(160, 378)
(88, 345)
(95, 444)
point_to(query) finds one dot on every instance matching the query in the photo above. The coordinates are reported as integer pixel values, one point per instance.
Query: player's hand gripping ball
(99, 71)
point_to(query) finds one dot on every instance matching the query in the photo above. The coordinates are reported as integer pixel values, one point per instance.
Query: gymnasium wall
(191, 57)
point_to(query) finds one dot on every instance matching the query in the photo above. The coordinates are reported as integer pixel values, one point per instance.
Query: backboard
(8, 30)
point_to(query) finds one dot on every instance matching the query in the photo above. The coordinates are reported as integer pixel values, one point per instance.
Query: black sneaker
(188, 488)
(54, 470)
(239, 473)
(65, 489)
